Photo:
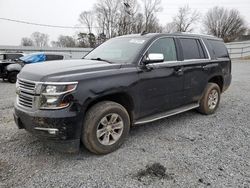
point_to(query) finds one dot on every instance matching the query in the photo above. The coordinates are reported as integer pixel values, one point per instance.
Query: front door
(161, 86)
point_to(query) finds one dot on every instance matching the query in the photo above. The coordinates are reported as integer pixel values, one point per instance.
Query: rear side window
(219, 48)
(192, 49)
(165, 46)
(53, 57)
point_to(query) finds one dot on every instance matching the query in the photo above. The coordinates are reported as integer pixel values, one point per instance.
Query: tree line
(111, 18)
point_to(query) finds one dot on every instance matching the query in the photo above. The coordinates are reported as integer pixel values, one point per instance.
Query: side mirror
(154, 58)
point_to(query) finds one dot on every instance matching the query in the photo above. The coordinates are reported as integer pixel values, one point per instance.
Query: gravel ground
(186, 150)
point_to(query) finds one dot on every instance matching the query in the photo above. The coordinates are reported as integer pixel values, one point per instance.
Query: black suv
(126, 81)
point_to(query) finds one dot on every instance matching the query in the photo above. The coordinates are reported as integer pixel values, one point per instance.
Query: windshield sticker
(137, 41)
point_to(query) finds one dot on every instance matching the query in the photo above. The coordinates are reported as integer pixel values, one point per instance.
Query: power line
(44, 25)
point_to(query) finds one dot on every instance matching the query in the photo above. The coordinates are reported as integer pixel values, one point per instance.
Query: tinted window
(165, 46)
(13, 56)
(218, 48)
(53, 57)
(192, 49)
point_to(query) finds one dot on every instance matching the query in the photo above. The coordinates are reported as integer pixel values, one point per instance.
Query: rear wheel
(210, 99)
(12, 77)
(105, 127)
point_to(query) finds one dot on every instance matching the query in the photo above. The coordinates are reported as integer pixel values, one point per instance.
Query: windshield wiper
(100, 59)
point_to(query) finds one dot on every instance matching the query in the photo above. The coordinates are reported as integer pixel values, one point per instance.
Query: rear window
(219, 48)
(53, 57)
(192, 49)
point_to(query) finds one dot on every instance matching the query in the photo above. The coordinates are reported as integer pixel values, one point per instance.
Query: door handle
(179, 72)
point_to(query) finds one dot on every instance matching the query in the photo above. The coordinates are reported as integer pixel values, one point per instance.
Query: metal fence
(75, 53)
(239, 49)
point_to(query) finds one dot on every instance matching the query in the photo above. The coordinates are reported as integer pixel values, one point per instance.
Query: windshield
(118, 50)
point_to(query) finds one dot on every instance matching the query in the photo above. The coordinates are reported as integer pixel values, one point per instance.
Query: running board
(166, 114)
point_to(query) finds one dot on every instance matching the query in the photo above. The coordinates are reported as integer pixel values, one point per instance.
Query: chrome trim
(209, 56)
(49, 130)
(164, 116)
(54, 108)
(59, 83)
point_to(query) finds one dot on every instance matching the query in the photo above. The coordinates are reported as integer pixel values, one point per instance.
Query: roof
(186, 34)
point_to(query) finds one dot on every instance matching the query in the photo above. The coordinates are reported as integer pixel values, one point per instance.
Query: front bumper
(61, 129)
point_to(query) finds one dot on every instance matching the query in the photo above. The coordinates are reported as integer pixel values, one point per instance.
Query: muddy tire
(12, 77)
(105, 128)
(210, 99)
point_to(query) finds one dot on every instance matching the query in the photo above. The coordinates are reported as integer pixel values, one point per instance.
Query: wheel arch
(121, 98)
(217, 79)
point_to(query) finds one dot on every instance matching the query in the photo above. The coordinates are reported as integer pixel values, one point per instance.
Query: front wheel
(105, 127)
(12, 77)
(210, 99)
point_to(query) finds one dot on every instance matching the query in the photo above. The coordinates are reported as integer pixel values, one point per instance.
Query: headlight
(56, 95)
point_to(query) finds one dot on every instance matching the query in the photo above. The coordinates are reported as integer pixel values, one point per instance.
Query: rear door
(161, 87)
(195, 59)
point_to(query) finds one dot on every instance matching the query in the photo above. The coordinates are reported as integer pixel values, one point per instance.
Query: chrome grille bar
(26, 93)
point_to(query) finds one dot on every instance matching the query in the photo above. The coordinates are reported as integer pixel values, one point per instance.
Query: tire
(12, 77)
(210, 99)
(99, 119)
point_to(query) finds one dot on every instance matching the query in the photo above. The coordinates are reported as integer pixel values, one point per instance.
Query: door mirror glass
(154, 58)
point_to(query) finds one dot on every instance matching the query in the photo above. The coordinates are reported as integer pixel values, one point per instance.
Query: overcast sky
(66, 12)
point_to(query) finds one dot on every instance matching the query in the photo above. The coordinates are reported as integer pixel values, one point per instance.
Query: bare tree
(170, 28)
(127, 17)
(86, 40)
(224, 23)
(150, 8)
(40, 39)
(87, 18)
(25, 41)
(107, 16)
(64, 41)
(137, 26)
(185, 19)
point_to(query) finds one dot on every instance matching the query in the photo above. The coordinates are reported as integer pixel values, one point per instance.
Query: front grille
(26, 93)
(27, 86)
(25, 100)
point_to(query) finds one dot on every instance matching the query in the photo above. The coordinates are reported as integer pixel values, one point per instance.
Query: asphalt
(185, 150)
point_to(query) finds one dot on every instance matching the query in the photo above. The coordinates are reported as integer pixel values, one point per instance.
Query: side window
(53, 57)
(218, 48)
(192, 49)
(165, 46)
(1, 57)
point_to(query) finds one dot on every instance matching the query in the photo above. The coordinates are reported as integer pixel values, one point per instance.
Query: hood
(64, 70)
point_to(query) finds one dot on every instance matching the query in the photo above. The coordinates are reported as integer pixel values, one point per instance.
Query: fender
(14, 67)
